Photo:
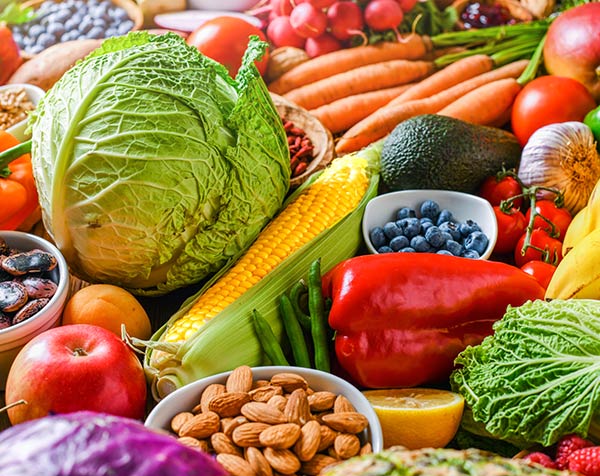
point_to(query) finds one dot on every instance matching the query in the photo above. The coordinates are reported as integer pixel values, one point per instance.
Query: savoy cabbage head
(154, 167)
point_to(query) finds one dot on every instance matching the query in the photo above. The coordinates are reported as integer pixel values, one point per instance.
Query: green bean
(267, 339)
(296, 292)
(294, 332)
(316, 307)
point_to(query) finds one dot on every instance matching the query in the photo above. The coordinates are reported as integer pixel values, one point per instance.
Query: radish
(381, 15)
(308, 21)
(407, 5)
(346, 20)
(320, 45)
(281, 33)
(281, 7)
(321, 4)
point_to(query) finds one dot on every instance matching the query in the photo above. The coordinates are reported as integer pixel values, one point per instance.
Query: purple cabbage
(94, 444)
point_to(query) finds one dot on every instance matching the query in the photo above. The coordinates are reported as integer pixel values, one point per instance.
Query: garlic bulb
(562, 156)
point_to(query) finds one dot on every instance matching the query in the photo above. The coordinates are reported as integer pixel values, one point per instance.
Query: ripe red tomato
(495, 190)
(225, 40)
(542, 241)
(541, 271)
(511, 227)
(548, 100)
(560, 217)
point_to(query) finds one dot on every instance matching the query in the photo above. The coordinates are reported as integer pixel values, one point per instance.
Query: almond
(248, 434)
(201, 445)
(321, 401)
(280, 436)
(263, 412)
(264, 393)
(278, 401)
(317, 464)
(209, 393)
(257, 460)
(260, 383)
(283, 461)
(178, 420)
(342, 405)
(365, 449)
(235, 465)
(346, 422)
(289, 381)
(346, 445)
(327, 438)
(308, 442)
(297, 409)
(228, 404)
(201, 426)
(230, 424)
(239, 380)
(221, 443)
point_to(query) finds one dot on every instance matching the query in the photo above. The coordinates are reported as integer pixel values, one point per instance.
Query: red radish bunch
(322, 26)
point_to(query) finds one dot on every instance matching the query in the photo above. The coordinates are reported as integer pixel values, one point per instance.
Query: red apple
(76, 367)
(572, 46)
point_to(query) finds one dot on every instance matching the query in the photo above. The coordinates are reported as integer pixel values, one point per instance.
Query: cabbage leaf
(154, 167)
(537, 377)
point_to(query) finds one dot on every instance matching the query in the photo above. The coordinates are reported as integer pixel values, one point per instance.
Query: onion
(562, 156)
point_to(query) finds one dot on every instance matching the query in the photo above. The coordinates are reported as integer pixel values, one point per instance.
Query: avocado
(431, 151)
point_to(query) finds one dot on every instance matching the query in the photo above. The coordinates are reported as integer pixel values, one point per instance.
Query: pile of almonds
(272, 427)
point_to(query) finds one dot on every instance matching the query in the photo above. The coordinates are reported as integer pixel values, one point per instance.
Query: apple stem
(79, 352)
(13, 404)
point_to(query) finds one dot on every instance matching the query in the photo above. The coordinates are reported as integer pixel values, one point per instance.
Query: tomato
(541, 271)
(548, 100)
(225, 40)
(511, 227)
(560, 217)
(543, 241)
(495, 190)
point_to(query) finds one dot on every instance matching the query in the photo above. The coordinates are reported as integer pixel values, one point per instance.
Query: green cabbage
(537, 377)
(153, 166)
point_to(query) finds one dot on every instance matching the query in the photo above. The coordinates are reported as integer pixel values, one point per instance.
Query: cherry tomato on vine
(511, 227)
(495, 190)
(541, 271)
(543, 241)
(560, 217)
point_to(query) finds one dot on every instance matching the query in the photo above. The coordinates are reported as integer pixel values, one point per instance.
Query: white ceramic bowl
(463, 206)
(188, 396)
(227, 5)
(13, 338)
(35, 94)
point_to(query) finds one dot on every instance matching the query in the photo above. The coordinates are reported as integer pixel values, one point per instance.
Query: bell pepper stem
(8, 155)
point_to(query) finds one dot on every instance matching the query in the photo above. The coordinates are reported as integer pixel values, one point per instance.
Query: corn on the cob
(331, 197)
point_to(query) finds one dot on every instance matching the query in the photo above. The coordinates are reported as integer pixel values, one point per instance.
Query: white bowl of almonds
(16, 102)
(265, 420)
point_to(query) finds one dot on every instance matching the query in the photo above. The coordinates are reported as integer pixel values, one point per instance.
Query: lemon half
(417, 417)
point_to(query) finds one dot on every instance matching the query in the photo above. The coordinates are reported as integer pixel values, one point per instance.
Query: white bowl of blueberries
(430, 221)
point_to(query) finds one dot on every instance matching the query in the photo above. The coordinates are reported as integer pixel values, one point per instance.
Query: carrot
(383, 121)
(447, 77)
(486, 104)
(359, 80)
(342, 114)
(412, 48)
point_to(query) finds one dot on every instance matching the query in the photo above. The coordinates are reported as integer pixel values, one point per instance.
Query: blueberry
(470, 254)
(399, 242)
(61, 16)
(446, 237)
(430, 209)
(18, 37)
(468, 227)
(85, 25)
(71, 24)
(391, 230)
(56, 30)
(420, 244)
(454, 247)
(452, 228)
(35, 31)
(412, 228)
(405, 212)
(444, 252)
(35, 49)
(110, 32)
(46, 40)
(425, 225)
(125, 27)
(378, 238)
(100, 22)
(445, 215)
(95, 33)
(476, 241)
(120, 14)
(408, 249)
(384, 249)
(434, 236)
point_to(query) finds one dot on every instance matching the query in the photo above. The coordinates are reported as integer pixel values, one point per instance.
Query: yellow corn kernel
(330, 198)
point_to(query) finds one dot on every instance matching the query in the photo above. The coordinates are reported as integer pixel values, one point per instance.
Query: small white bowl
(188, 396)
(13, 338)
(227, 5)
(34, 93)
(463, 206)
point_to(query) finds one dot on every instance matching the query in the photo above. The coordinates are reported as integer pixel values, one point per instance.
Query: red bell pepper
(402, 318)
(10, 57)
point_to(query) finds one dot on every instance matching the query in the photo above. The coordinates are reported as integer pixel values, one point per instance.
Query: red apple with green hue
(76, 367)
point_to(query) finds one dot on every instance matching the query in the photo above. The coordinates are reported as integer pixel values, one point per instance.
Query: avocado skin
(439, 152)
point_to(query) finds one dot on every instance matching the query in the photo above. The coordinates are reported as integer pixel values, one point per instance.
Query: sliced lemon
(417, 417)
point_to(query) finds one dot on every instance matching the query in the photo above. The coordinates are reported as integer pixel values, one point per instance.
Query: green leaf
(13, 13)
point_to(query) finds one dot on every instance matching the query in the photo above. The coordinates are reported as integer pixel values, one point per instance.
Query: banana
(578, 274)
(584, 222)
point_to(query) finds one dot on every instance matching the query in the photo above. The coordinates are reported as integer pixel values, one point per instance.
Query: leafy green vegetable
(13, 13)
(537, 377)
(154, 166)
